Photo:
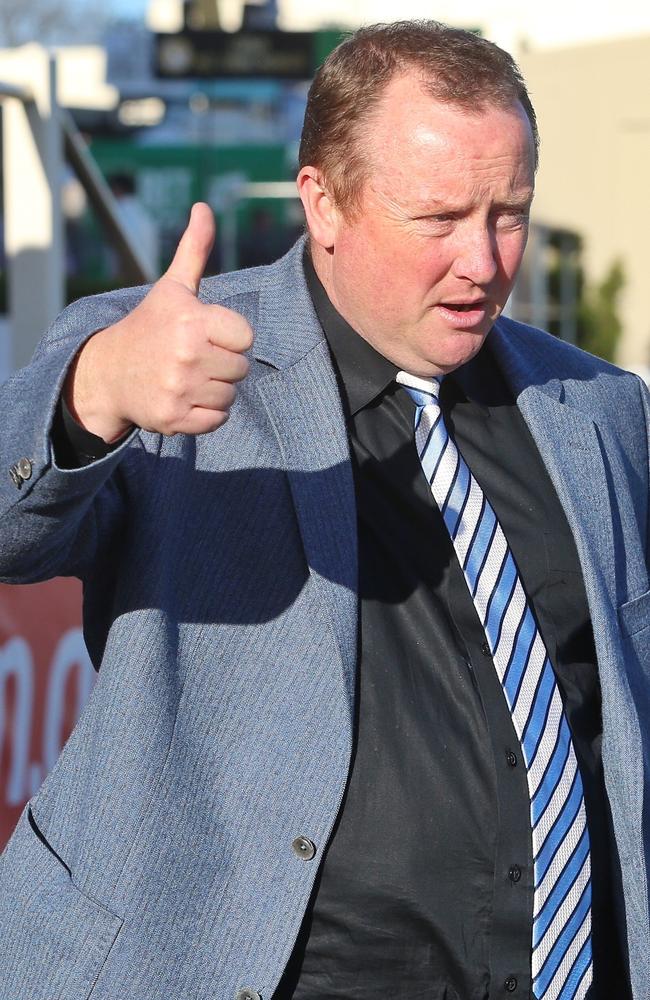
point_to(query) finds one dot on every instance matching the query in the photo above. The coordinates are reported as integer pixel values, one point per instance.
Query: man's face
(426, 265)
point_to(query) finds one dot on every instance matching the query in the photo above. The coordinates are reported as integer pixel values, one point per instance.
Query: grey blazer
(157, 860)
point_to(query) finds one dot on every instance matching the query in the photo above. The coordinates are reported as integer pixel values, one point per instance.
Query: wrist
(90, 390)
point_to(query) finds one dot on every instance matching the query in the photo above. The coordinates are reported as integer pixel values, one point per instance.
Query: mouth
(464, 314)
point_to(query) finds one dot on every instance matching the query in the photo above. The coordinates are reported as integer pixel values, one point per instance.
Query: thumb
(193, 250)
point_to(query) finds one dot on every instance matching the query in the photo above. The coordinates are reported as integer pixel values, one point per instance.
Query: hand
(171, 365)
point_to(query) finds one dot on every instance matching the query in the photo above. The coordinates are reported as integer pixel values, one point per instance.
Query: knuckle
(173, 384)
(185, 351)
(165, 427)
(183, 322)
(168, 417)
(184, 355)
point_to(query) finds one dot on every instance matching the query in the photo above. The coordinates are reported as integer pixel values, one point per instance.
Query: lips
(463, 315)
(464, 306)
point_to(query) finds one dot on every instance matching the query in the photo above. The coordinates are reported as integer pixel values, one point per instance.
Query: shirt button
(485, 649)
(510, 984)
(304, 848)
(247, 994)
(511, 757)
(515, 873)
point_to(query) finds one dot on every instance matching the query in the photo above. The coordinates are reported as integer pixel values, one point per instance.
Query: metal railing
(38, 136)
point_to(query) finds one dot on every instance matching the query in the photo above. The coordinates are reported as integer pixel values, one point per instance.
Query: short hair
(457, 67)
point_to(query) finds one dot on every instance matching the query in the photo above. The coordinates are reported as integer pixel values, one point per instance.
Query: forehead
(416, 139)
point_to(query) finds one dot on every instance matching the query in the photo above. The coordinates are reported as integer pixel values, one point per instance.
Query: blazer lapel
(570, 446)
(302, 401)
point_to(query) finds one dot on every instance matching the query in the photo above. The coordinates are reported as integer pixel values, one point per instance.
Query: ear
(319, 208)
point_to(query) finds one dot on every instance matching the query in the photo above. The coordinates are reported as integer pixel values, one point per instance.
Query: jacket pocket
(634, 621)
(634, 616)
(54, 939)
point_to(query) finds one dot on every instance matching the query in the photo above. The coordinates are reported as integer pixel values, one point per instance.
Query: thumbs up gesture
(172, 364)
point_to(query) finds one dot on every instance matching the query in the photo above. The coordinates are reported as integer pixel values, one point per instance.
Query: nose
(476, 257)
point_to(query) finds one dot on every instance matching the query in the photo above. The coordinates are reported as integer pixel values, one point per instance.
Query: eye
(512, 218)
(440, 223)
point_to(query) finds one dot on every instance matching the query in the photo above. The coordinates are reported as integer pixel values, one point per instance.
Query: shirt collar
(363, 372)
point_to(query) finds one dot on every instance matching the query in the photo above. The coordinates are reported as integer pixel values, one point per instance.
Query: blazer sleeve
(52, 520)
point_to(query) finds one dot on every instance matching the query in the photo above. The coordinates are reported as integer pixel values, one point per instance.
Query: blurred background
(114, 121)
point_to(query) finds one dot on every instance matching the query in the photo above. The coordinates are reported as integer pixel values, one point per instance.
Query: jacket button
(21, 472)
(304, 848)
(510, 984)
(25, 468)
(247, 994)
(511, 757)
(515, 873)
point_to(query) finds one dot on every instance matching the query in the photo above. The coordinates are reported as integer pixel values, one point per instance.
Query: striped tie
(561, 946)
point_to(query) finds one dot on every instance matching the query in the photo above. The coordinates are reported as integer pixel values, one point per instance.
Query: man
(303, 772)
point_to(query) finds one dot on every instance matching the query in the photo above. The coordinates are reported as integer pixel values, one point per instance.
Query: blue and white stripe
(561, 946)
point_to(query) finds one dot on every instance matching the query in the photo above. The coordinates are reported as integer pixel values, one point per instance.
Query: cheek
(378, 270)
(511, 254)
(402, 285)
(416, 267)
(392, 273)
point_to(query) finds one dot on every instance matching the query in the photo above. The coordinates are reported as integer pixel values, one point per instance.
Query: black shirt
(426, 887)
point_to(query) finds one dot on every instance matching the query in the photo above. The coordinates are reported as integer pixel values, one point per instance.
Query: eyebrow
(521, 202)
(435, 205)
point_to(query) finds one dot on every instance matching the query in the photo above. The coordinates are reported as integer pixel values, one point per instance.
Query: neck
(322, 261)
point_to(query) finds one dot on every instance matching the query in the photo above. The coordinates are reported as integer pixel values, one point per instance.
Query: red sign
(45, 680)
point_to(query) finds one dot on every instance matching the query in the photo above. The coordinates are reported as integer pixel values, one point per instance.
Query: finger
(225, 366)
(202, 420)
(193, 250)
(228, 329)
(214, 395)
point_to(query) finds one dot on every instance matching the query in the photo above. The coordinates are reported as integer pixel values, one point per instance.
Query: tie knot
(423, 391)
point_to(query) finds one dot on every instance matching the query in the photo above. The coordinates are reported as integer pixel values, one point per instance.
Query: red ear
(320, 211)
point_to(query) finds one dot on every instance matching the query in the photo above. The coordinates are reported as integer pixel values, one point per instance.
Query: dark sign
(279, 54)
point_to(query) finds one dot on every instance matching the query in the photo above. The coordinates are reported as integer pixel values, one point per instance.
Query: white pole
(33, 170)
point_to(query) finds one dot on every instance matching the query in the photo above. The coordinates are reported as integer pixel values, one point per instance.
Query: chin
(458, 353)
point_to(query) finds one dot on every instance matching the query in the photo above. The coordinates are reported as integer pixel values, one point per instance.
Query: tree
(599, 325)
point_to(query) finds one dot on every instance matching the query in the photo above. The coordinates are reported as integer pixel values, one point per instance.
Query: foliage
(598, 323)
